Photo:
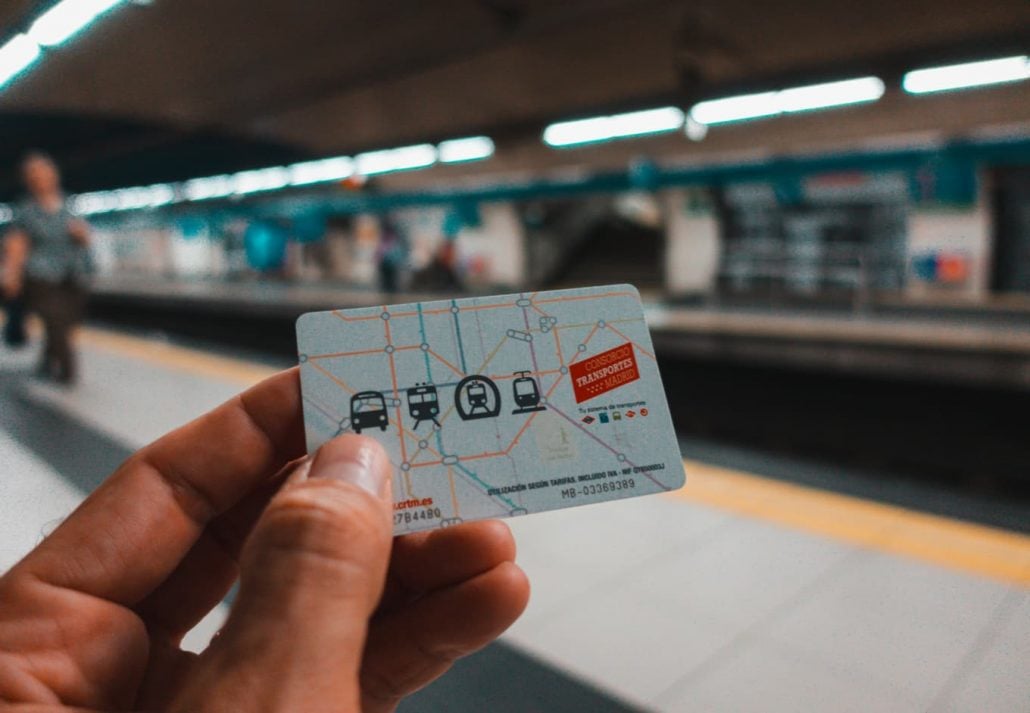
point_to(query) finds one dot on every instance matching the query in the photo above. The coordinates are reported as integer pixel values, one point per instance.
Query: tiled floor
(665, 603)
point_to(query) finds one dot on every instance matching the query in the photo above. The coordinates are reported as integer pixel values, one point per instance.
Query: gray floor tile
(999, 679)
(33, 500)
(635, 647)
(615, 535)
(767, 677)
(554, 586)
(893, 619)
(742, 574)
(572, 552)
(131, 401)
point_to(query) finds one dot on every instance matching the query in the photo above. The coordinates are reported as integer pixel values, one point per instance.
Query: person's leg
(76, 300)
(67, 310)
(14, 327)
(39, 298)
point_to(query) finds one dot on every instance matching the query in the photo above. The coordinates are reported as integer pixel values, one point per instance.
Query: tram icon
(526, 393)
(368, 410)
(477, 397)
(423, 404)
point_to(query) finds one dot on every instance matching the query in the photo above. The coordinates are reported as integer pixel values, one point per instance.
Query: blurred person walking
(440, 275)
(46, 261)
(391, 255)
(14, 334)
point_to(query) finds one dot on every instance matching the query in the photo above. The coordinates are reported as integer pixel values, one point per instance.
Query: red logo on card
(603, 372)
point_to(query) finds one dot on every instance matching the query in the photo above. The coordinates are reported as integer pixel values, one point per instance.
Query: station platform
(739, 592)
(986, 345)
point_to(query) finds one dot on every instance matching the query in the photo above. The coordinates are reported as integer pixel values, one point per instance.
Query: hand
(79, 230)
(11, 284)
(327, 617)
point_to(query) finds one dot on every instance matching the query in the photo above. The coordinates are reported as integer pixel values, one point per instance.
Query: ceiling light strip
(273, 178)
(812, 97)
(967, 75)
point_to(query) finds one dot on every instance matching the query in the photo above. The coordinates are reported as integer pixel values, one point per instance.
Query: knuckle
(327, 518)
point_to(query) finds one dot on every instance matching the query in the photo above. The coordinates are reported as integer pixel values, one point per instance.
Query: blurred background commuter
(14, 335)
(392, 255)
(439, 275)
(46, 263)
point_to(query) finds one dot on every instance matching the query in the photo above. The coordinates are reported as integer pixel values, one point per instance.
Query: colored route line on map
(532, 350)
(324, 410)
(533, 303)
(452, 367)
(393, 379)
(335, 379)
(457, 332)
(639, 348)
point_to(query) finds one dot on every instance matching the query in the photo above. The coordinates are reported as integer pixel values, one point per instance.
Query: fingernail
(352, 461)
(300, 472)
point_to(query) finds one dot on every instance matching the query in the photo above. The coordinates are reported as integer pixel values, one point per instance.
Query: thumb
(311, 574)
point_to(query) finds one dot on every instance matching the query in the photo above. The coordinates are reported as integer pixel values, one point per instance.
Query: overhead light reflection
(325, 170)
(199, 189)
(796, 99)
(263, 179)
(967, 75)
(17, 55)
(473, 148)
(66, 19)
(405, 158)
(615, 126)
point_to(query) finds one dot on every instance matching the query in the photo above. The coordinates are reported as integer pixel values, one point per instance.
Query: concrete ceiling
(273, 78)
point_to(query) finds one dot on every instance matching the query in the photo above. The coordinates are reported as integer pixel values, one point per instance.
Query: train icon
(477, 397)
(423, 404)
(526, 393)
(368, 410)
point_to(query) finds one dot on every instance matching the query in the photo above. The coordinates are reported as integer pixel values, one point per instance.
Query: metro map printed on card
(495, 406)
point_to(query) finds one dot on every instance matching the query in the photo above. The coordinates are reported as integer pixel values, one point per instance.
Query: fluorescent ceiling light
(969, 74)
(199, 189)
(98, 202)
(831, 94)
(747, 106)
(17, 55)
(276, 177)
(400, 159)
(807, 98)
(133, 198)
(473, 148)
(329, 169)
(263, 179)
(615, 126)
(65, 19)
(694, 129)
(162, 194)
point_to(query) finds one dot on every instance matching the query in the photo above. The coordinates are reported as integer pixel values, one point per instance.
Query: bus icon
(368, 410)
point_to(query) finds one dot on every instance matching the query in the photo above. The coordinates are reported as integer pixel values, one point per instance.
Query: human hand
(327, 617)
(11, 284)
(78, 229)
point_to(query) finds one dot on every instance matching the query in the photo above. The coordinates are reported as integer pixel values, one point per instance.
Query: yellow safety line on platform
(975, 549)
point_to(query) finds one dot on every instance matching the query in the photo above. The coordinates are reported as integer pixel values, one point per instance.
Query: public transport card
(496, 406)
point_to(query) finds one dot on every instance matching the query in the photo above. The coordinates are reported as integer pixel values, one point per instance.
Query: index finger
(133, 530)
